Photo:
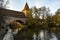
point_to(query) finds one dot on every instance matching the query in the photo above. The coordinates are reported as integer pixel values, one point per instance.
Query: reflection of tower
(26, 8)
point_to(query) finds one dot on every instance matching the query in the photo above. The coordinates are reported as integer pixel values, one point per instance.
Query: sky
(18, 5)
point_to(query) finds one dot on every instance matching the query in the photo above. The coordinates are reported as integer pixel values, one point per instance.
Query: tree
(4, 3)
(56, 19)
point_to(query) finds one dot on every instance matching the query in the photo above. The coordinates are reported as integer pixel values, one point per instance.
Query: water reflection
(8, 35)
(53, 37)
(34, 36)
(43, 35)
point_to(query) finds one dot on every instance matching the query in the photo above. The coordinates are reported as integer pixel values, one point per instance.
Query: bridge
(10, 19)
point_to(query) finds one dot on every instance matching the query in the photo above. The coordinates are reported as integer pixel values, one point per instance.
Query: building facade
(11, 15)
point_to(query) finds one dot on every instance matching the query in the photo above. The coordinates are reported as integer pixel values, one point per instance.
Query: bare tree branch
(4, 4)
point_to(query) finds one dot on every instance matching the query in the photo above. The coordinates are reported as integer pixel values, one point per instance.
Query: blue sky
(18, 5)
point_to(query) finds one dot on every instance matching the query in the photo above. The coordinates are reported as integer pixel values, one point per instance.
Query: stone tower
(27, 10)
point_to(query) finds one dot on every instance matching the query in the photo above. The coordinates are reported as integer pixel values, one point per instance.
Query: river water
(44, 36)
(8, 35)
(41, 36)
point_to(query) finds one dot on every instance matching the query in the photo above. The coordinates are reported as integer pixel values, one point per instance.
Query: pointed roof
(26, 6)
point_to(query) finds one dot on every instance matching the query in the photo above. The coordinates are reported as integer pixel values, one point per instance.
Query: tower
(26, 8)
(27, 11)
